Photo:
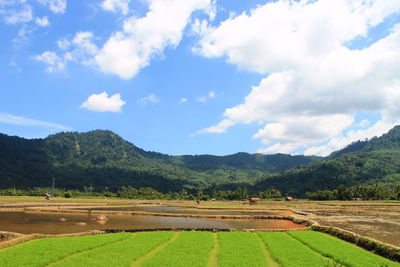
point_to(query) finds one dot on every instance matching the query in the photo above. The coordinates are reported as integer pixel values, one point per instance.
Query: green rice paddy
(302, 248)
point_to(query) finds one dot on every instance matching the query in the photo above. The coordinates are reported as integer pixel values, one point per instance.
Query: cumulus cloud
(52, 60)
(103, 103)
(116, 6)
(18, 120)
(150, 99)
(63, 43)
(183, 100)
(141, 39)
(57, 6)
(341, 140)
(314, 83)
(82, 50)
(42, 22)
(22, 15)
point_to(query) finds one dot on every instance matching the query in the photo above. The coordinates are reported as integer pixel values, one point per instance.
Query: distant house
(253, 200)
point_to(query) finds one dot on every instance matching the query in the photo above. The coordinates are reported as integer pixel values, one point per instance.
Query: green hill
(363, 162)
(103, 159)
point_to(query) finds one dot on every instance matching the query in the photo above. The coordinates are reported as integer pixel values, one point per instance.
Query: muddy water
(180, 210)
(385, 228)
(49, 223)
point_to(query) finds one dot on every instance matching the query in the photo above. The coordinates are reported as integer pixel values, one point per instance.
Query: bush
(67, 194)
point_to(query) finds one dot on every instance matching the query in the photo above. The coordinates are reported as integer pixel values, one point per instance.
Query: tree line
(129, 192)
(358, 192)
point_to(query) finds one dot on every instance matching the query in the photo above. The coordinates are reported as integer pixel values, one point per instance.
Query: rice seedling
(339, 250)
(41, 252)
(290, 252)
(189, 249)
(118, 254)
(240, 249)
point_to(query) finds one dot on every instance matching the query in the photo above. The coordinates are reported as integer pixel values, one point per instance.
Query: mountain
(363, 162)
(390, 140)
(104, 159)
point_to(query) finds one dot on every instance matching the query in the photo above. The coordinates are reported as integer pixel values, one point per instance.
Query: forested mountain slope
(102, 158)
(363, 162)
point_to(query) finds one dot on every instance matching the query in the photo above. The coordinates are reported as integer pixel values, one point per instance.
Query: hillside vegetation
(103, 159)
(100, 159)
(375, 161)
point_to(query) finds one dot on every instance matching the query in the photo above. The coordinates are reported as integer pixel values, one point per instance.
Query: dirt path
(150, 254)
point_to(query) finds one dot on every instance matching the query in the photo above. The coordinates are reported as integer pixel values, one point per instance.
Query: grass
(119, 254)
(339, 250)
(189, 249)
(240, 249)
(41, 252)
(289, 252)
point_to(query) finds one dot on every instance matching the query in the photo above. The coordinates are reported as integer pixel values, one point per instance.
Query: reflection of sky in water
(49, 223)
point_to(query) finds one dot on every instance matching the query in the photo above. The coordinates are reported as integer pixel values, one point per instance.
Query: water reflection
(56, 223)
(179, 210)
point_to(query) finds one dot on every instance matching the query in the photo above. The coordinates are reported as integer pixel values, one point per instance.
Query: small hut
(289, 198)
(253, 200)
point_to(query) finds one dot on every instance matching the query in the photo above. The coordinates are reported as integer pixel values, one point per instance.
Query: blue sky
(202, 76)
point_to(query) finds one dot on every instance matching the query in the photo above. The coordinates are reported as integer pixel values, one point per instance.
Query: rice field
(295, 248)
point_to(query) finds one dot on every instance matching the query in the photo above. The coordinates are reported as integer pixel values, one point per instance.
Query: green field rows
(273, 249)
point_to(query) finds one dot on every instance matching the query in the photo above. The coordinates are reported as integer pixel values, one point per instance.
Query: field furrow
(188, 250)
(153, 252)
(341, 251)
(119, 254)
(240, 249)
(193, 249)
(270, 261)
(42, 252)
(289, 252)
(213, 260)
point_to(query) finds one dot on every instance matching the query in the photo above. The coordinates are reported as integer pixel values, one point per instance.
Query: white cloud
(341, 140)
(22, 15)
(17, 120)
(57, 6)
(150, 99)
(201, 99)
(84, 48)
(116, 6)
(42, 22)
(364, 123)
(204, 99)
(63, 43)
(183, 100)
(141, 39)
(103, 103)
(221, 127)
(82, 51)
(52, 60)
(314, 84)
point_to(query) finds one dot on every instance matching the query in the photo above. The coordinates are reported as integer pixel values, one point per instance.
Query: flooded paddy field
(183, 210)
(379, 220)
(60, 223)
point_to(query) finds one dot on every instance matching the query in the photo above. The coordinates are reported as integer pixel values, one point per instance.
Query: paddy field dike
(190, 248)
